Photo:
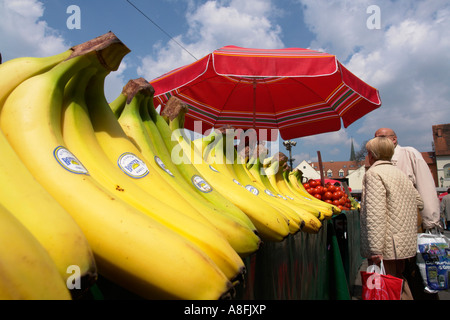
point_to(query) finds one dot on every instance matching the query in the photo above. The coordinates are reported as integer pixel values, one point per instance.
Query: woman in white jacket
(388, 212)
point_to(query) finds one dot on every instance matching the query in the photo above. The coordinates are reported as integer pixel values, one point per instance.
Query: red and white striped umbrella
(300, 92)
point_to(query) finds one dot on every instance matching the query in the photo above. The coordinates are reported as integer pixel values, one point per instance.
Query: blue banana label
(68, 161)
(252, 189)
(201, 184)
(132, 165)
(161, 164)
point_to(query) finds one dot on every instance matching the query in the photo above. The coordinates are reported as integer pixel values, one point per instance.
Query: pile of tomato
(329, 193)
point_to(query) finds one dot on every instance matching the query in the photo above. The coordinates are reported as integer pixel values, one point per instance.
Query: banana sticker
(132, 165)
(68, 161)
(201, 184)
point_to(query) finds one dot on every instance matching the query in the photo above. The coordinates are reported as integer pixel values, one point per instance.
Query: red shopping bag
(377, 285)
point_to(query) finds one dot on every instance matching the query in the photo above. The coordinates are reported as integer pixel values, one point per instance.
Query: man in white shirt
(411, 162)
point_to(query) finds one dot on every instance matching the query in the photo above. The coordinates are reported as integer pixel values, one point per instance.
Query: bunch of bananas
(116, 188)
(275, 205)
(90, 199)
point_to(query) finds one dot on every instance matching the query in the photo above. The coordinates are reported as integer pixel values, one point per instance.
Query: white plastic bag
(433, 260)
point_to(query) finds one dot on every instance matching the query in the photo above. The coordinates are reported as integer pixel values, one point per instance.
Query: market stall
(115, 215)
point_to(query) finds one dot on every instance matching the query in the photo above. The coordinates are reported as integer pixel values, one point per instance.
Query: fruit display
(330, 193)
(245, 172)
(116, 189)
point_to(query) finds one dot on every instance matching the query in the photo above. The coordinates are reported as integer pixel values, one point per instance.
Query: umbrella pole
(322, 178)
(254, 104)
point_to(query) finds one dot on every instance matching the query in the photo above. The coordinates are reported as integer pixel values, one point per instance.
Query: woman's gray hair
(381, 148)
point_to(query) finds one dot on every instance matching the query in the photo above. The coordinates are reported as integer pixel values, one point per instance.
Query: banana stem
(174, 112)
(132, 88)
(107, 48)
(118, 104)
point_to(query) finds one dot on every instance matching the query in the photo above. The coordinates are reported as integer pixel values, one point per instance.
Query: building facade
(441, 139)
(352, 171)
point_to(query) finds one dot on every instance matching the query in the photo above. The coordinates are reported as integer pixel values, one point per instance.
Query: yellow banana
(242, 238)
(312, 215)
(26, 270)
(214, 152)
(304, 221)
(29, 202)
(271, 225)
(159, 129)
(116, 144)
(17, 70)
(275, 176)
(49, 223)
(130, 248)
(80, 138)
(185, 170)
(312, 219)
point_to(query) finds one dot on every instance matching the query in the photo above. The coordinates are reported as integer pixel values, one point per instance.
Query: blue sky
(406, 56)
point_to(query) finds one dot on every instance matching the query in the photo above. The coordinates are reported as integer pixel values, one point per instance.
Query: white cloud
(22, 33)
(216, 24)
(406, 59)
(115, 82)
(212, 25)
(339, 26)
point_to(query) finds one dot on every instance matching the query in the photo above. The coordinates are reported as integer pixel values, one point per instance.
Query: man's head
(388, 133)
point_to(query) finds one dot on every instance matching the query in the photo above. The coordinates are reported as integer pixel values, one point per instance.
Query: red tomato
(342, 201)
(319, 190)
(327, 195)
(312, 183)
(310, 190)
(328, 201)
(337, 195)
(331, 188)
(306, 186)
(318, 195)
(336, 202)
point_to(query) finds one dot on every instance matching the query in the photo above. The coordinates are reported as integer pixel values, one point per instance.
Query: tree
(360, 155)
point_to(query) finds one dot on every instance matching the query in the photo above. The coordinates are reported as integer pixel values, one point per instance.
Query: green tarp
(305, 266)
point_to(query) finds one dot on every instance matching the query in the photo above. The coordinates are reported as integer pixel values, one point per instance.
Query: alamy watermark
(374, 280)
(252, 143)
(374, 20)
(74, 280)
(74, 20)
